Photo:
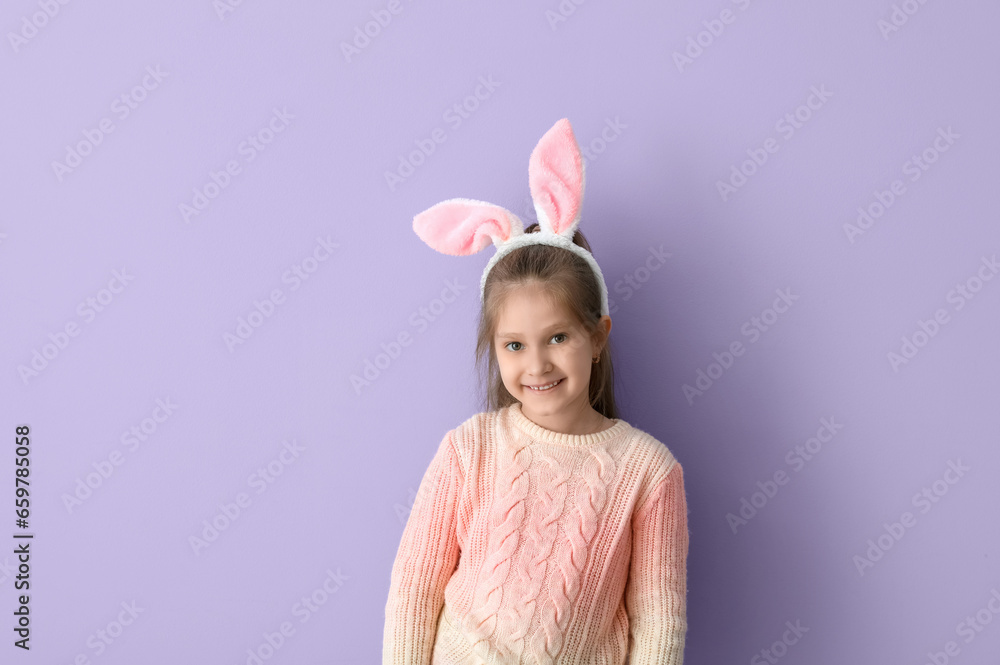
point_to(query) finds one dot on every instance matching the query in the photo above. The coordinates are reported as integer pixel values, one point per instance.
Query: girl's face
(539, 344)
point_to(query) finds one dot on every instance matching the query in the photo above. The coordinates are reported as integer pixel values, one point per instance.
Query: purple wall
(177, 176)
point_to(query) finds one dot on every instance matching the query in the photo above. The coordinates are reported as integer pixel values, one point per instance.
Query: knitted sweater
(526, 545)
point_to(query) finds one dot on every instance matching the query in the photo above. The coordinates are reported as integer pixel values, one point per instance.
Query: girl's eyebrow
(558, 324)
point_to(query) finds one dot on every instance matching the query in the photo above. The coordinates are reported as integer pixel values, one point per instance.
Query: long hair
(570, 281)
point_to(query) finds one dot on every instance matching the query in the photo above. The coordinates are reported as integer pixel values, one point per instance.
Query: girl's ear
(602, 331)
(464, 226)
(556, 177)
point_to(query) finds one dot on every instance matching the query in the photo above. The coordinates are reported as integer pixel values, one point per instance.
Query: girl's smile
(546, 387)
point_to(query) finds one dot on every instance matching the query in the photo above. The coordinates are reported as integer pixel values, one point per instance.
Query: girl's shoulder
(657, 463)
(660, 459)
(472, 429)
(468, 434)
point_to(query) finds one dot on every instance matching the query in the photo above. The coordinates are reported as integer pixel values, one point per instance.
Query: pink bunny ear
(555, 175)
(464, 226)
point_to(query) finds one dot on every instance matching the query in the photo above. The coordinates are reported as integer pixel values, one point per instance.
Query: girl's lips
(535, 390)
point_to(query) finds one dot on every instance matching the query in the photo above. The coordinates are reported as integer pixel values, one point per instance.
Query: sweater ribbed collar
(540, 433)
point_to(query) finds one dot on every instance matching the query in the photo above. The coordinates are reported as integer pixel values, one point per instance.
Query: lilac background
(341, 504)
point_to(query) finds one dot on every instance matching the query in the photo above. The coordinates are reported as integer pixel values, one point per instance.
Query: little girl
(546, 529)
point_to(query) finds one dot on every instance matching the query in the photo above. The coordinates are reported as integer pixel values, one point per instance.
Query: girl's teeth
(548, 387)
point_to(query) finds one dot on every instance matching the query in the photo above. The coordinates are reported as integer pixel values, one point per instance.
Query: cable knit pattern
(553, 487)
(534, 546)
(579, 529)
(505, 522)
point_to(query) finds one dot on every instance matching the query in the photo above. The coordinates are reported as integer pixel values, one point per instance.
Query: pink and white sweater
(526, 545)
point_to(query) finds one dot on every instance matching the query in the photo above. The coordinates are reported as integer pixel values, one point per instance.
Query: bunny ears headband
(460, 227)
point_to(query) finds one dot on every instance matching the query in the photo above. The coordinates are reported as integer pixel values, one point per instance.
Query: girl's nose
(539, 363)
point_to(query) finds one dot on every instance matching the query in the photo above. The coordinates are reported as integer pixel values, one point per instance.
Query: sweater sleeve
(656, 593)
(427, 555)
